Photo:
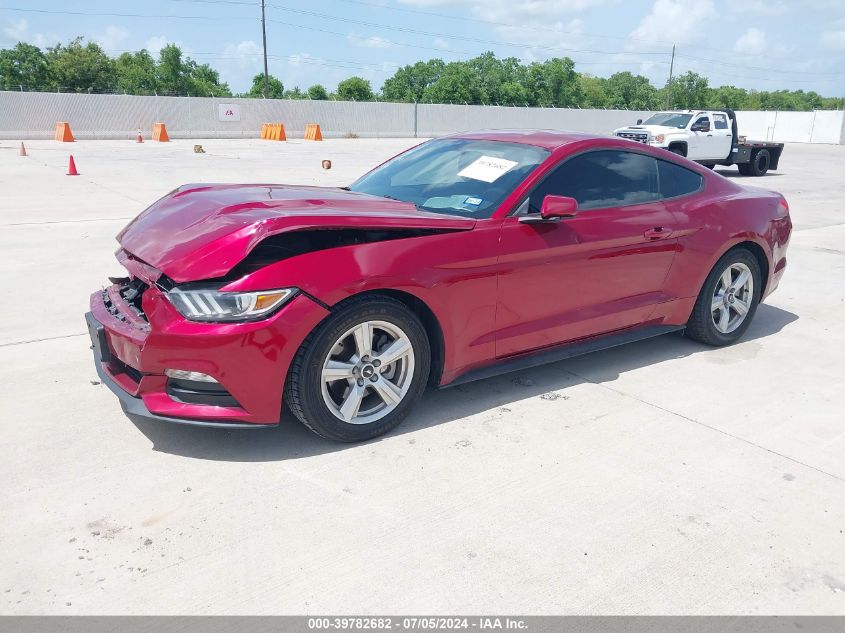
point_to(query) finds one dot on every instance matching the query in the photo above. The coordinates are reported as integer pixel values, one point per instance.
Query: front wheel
(361, 370)
(728, 300)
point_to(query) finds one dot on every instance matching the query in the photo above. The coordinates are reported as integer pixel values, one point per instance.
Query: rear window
(676, 180)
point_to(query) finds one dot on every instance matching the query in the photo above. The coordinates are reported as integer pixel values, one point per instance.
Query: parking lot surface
(663, 477)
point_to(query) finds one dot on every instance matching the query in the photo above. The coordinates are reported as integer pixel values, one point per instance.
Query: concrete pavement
(662, 477)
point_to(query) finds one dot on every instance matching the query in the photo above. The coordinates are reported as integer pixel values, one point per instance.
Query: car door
(599, 271)
(700, 141)
(722, 136)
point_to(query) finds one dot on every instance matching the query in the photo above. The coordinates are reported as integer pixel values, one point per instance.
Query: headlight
(209, 304)
(660, 138)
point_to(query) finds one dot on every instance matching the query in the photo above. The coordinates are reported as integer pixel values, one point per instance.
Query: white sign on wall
(228, 112)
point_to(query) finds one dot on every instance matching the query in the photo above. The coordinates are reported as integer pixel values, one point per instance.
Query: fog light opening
(181, 374)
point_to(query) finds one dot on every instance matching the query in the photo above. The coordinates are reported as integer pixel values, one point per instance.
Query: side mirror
(639, 121)
(558, 207)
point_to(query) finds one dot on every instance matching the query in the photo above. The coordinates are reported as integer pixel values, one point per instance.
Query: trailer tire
(759, 164)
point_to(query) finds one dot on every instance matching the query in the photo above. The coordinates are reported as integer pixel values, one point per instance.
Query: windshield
(669, 119)
(454, 176)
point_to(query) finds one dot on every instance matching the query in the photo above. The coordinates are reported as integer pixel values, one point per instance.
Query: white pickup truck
(707, 137)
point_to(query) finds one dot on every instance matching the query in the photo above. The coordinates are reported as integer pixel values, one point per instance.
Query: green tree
(296, 93)
(554, 82)
(135, 73)
(456, 84)
(23, 66)
(172, 72)
(355, 89)
(727, 97)
(634, 92)
(317, 93)
(499, 80)
(410, 82)
(688, 91)
(81, 68)
(593, 91)
(275, 87)
(204, 81)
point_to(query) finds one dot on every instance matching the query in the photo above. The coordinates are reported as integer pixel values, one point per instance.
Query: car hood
(202, 231)
(654, 130)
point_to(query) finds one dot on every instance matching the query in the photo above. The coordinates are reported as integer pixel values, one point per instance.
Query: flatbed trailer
(753, 158)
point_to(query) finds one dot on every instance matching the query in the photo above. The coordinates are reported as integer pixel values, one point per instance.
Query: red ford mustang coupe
(461, 258)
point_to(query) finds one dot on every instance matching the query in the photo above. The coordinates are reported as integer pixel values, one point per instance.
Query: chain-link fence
(31, 115)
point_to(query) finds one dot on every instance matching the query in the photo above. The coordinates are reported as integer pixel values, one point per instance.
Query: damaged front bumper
(134, 346)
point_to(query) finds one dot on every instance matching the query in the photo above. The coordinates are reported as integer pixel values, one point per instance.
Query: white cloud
(155, 44)
(373, 41)
(441, 44)
(245, 54)
(760, 7)
(678, 21)
(752, 42)
(112, 38)
(19, 32)
(833, 40)
(16, 30)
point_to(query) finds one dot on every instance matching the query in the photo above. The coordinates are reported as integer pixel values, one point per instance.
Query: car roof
(548, 139)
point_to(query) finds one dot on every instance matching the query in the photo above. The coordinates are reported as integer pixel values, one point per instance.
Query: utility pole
(264, 38)
(668, 83)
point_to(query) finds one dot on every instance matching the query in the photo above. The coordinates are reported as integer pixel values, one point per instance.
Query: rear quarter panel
(721, 217)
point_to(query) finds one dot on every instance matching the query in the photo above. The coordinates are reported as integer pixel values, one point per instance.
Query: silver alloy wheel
(367, 372)
(732, 297)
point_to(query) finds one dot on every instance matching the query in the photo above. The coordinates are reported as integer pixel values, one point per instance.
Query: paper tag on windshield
(487, 168)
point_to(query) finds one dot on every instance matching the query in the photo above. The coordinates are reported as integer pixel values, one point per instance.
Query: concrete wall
(25, 115)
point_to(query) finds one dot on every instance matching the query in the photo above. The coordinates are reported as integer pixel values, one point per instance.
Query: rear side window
(601, 179)
(720, 121)
(676, 180)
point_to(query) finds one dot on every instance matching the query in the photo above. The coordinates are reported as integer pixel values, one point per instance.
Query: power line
(403, 29)
(126, 15)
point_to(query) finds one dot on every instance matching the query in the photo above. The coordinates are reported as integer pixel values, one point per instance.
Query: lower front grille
(118, 366)
(196, 392)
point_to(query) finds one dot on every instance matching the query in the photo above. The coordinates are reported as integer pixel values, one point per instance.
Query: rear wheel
(360, 372)
(727, 302)
(759, 164)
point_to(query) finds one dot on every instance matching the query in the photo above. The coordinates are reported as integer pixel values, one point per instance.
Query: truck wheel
(760, 161)
(744, 169)
(677, 149)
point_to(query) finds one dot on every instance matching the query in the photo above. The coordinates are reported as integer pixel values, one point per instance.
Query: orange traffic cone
(71, 167)
(22, 150)
(140, 138)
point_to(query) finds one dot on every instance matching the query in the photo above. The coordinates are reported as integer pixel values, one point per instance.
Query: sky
(760, 44)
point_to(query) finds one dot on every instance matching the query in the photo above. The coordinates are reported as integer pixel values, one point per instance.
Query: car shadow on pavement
(291, 440)
(734, 173)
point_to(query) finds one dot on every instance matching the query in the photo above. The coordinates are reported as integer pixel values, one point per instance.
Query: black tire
(711, 166)
(303, 388)
(677, 149)
(760, 162)
(700, 326)
(745, 169)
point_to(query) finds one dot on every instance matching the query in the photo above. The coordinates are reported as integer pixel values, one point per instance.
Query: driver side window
(702, 121)
(601, 179)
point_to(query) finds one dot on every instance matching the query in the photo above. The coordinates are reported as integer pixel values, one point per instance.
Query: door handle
(658, 233)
